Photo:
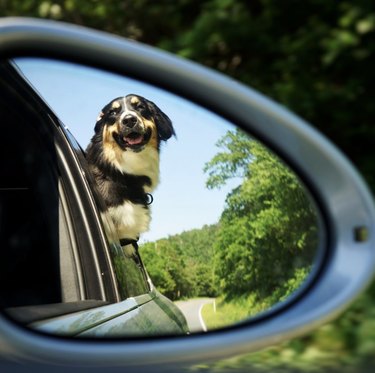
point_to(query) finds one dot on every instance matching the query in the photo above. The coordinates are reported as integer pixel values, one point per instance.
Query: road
(192, 311)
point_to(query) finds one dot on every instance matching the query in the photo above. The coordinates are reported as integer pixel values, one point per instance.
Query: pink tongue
(134, 141)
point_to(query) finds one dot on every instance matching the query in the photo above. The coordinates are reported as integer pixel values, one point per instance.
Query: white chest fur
(130, 219)
(143, 163)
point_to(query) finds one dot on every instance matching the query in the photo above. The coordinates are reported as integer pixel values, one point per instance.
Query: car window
(41, 256)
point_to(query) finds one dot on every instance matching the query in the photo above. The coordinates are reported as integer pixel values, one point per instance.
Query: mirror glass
(234, 233)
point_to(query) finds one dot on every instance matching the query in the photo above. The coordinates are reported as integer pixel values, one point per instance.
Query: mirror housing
(344, 200)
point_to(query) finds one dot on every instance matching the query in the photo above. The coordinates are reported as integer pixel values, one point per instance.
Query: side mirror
(345, 213)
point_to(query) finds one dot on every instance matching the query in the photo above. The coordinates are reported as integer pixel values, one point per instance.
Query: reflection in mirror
(234, 232)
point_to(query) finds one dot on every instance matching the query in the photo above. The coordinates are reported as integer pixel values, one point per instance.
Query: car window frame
(97, 284)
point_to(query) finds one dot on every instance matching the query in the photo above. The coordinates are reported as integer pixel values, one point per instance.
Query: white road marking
(192, 310)
(201, 318)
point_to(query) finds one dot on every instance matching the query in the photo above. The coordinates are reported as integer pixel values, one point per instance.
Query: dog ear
(103, 117)
(165, 127)
(100, 116)
(162, 121)
(98, 122)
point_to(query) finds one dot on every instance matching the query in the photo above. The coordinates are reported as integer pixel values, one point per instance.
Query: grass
(225, 313)
(242, 307)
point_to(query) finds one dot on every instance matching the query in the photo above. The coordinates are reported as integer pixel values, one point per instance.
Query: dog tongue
(134, 140)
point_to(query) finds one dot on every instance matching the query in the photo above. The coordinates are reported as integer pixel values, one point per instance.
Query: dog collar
(129, 241)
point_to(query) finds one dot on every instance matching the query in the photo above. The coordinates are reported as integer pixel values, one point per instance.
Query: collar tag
(150, 199)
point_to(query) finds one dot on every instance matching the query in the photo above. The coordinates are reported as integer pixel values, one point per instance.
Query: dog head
(133, 123)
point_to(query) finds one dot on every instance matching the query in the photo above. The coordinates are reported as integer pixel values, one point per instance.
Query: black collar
(129, 241)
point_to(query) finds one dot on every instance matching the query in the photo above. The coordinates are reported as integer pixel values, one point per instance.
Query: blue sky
(181, 201)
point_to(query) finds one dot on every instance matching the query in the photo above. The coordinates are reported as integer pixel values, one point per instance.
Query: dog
(123, 156)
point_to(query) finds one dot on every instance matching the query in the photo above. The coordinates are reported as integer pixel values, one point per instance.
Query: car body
(93, 286)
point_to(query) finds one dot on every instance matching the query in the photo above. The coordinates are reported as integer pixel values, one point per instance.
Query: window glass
(29, 218)
(131, 277)
(40, 267)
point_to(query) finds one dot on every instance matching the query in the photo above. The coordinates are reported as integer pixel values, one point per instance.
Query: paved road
(192, 311)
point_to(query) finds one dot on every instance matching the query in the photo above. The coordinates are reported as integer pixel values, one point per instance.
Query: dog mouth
(133, 139)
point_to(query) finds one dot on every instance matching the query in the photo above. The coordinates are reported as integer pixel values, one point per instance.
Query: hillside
(182, 265)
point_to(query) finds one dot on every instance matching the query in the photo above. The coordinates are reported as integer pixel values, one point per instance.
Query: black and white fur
(123, 156)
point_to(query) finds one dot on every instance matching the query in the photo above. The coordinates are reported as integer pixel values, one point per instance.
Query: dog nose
(130, 121)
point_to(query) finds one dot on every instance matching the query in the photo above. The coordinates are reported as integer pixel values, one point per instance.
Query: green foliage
(232, 162)
(268, 230)
(181, 266)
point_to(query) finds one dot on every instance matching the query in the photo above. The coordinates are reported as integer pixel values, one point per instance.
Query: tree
(156, 267)
(269, 226)
(181, 266)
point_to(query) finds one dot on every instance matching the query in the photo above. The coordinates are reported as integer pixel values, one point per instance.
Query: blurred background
(316, 57)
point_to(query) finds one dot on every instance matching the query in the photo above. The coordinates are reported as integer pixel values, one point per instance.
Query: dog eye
(112, 112)
(140, 106)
